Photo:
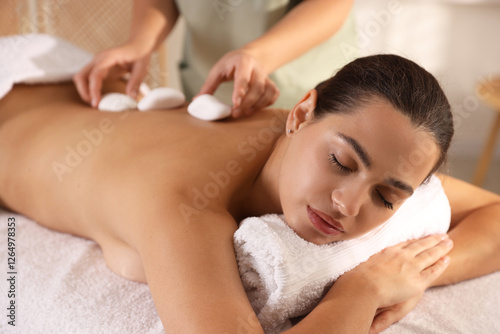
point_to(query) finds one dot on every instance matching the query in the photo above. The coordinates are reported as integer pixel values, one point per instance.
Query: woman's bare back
(99, 169)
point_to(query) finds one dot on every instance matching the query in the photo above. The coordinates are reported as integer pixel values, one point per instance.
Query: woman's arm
(191, 269)
(388, 278)
(475, 230)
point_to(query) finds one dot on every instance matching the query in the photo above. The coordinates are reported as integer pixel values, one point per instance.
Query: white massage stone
(208, 108)
(116, 102)
(161, 98)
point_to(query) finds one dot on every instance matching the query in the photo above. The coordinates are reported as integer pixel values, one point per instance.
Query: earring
(289, 131)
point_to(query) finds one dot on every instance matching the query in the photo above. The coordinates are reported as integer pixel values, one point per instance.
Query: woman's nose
(348, 201)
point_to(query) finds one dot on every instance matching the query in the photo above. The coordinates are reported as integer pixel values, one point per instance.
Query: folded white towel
(38, 58)
(285, 276)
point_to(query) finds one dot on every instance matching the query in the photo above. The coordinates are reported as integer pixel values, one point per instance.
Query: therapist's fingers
(81, 82)
(210, 85)
(242, 78)
(222, 71)
(252, 82)
(137, 74)
(96, 77)
(270, 95)
(113, 62)
(89, 80)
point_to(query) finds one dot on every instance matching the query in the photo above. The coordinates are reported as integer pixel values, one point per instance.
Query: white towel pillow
(285, 276)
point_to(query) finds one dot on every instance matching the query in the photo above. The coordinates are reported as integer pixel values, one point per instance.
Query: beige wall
(457, 41)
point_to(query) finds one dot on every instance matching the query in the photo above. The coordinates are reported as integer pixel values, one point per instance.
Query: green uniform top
(215, 27)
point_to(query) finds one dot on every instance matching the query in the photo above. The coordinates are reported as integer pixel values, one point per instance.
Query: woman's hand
(252, 88)
(397, 277)
(390, 315)
(404, 271)
(112, 63)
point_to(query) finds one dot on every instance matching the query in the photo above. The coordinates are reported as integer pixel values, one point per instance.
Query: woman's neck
(264, 195)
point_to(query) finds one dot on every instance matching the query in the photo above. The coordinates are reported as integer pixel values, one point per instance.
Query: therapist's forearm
(476, 250)
(305, 26)
(152, 21)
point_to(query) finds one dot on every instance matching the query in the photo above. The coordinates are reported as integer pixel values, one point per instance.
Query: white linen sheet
(63, 286)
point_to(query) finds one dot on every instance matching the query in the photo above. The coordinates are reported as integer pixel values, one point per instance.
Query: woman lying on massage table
(162, 192)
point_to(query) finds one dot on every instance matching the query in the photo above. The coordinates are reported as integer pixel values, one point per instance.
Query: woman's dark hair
(408, 87)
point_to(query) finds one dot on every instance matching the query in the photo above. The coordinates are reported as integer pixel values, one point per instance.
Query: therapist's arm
(308, 24)
(151, 23)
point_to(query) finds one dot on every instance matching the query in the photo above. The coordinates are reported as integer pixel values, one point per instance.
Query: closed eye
(387, 204)
(333, 159)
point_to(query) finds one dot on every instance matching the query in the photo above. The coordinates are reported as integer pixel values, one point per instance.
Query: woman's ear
(302, 113)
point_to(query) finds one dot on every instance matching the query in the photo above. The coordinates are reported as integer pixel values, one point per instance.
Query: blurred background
(456, 40)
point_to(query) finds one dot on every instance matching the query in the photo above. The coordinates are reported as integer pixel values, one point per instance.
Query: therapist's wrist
(259, 55)
(143, 43)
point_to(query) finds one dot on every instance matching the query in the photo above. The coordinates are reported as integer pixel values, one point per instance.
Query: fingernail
(238, 101)
(94, 102)
(448, 242)
(236, 112)
(446, 259)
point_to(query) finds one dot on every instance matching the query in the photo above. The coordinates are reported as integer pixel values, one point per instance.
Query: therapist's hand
(252, 88)
(112, 63)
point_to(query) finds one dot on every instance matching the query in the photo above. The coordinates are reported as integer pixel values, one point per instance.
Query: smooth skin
(139, 192)
(308, 24)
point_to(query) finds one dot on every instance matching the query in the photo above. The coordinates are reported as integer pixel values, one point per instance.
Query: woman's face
(346, 174)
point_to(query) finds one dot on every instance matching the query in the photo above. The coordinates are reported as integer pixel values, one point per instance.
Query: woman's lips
(324, 223)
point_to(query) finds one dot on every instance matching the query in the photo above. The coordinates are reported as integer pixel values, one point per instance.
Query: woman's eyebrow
(365, 158)
(400, 185)
(360, 151)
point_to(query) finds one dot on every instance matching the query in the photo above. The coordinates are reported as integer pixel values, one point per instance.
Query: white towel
(285, 276)
(38, 58)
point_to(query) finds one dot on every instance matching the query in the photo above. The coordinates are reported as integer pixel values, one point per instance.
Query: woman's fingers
(419, 245)
(429, 250)
(392, 314)
(405, 270)
(432, 272)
